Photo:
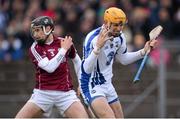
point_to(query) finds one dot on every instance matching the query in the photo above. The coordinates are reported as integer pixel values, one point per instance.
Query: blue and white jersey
(102, 72)
(96, 70)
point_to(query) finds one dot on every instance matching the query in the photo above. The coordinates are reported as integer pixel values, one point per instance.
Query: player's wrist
(142, 52)
(96, 50)
(63, 51)
(99, 45)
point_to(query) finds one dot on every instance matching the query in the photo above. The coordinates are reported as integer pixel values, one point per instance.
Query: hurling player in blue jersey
(101, 47)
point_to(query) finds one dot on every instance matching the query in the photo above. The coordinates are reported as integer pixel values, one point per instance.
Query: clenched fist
(149, 45)
(66, 42)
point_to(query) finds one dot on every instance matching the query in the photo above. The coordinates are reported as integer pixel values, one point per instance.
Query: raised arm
(90, 59)
(51, 65)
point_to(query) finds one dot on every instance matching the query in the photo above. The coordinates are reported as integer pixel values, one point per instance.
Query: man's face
(37, 33)
(115, 29)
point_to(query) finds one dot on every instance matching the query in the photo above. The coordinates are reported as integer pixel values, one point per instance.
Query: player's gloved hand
(149, 46)
(66, 42)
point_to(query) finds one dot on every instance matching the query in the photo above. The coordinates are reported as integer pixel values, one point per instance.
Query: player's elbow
(50, 70)
(86, 68)
(123, 62)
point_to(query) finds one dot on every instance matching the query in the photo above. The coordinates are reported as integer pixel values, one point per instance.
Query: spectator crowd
(78, 17)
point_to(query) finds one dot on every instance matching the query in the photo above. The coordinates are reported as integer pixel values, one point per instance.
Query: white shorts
(46, 99)
(105, 90)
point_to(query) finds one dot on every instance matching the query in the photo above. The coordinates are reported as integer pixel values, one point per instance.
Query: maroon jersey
(60, 79)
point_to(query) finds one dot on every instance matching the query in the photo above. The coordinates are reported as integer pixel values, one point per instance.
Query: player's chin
(41, 41)
(116, 34)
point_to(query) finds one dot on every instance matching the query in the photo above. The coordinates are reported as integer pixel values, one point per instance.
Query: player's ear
(48, 28)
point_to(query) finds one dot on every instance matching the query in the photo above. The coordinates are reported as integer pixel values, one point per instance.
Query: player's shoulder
(57, 39)
(121, 38)
(92, 34)
(122, 35)
(35, 47)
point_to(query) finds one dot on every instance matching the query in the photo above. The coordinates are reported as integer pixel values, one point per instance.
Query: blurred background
(158, 92)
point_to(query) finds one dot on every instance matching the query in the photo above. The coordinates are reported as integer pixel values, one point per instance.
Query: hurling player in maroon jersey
(53, 86)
